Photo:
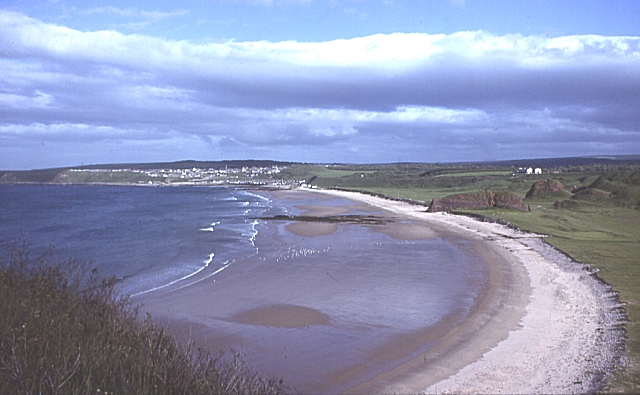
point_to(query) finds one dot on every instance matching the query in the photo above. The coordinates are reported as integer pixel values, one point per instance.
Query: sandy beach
(536, 323)
(566, 342)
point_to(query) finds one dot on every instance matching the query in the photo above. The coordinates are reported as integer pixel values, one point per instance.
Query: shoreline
(542, 324)
(560, 344)
(560, 328)
(323, 310)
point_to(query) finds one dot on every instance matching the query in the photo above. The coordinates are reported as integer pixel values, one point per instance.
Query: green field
(602, 228)
(306, 172)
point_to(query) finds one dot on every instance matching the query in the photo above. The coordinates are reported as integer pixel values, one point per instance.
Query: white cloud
(38, 100)
(145, 96)
(418, 89)
(268, 3)
(378, 51)
(111, 10)
(80, 132)
(134, 12)
(400, 115)
(332, 131)
(159, 15)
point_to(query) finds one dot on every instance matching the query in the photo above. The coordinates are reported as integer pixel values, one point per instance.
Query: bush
(65, 330)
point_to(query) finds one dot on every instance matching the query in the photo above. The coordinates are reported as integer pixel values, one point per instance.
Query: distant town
(254, 176)
(196, 174)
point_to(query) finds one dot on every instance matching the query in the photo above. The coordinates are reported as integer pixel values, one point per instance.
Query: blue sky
(316, 81)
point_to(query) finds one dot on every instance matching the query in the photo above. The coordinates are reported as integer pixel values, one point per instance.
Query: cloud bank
(70, 97)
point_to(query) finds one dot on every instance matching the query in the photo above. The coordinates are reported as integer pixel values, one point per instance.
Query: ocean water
(147, 237)
(162, 243)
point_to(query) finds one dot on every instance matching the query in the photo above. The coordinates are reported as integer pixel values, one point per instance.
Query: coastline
(543, 290)
(529, 330)
(567, 340)
(329, 311)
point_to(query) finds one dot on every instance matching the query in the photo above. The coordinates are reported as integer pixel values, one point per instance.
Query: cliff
(547, 189)
(478, 200)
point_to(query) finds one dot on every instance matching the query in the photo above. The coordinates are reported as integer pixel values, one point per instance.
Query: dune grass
(64, 330)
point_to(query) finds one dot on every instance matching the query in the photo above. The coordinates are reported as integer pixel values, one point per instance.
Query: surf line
(206, 264)
(224, 266)
(211, 228)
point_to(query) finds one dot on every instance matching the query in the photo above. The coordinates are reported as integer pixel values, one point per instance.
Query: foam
(207, 262)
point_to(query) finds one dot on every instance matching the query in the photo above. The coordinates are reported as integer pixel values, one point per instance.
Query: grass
(63, 330)
(476, 174)
(115, 177)
(604, 232)
(306, 172)
(608, 238)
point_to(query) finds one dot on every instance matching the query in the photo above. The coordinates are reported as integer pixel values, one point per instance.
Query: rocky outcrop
(545, 189)
(508, 199)
(478, 200)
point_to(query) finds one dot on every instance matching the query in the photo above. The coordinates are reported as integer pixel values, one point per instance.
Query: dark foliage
(64, 330)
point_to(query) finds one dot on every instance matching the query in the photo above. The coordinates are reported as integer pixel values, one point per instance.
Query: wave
(255, 231)
(224, 266)
(207, 262)
(252, 234)
(247, 231)
(257, 196)
(211, 228)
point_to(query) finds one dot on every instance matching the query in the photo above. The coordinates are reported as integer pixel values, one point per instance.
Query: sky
(316, 81)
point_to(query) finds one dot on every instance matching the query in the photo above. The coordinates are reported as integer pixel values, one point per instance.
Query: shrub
(65, 330)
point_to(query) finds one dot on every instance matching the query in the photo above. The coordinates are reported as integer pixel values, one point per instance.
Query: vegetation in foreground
(595, 218)
(63, 330)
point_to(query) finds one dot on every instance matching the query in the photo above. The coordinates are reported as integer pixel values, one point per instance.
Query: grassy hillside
(38, 176)
(64, 331)
(77, 177)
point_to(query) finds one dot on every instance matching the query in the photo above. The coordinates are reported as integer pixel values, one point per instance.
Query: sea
(162, 243)
(148, 237)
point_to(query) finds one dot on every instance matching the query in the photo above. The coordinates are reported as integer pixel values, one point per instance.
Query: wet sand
(311, 229)
(282, 316)
(568, 341)
(329, 321)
